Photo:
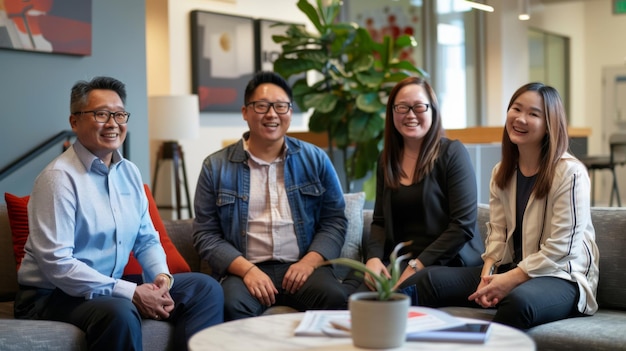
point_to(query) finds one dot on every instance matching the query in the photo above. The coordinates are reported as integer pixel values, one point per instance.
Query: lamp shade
(173, 117)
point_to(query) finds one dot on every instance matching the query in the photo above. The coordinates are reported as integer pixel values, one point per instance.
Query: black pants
(537, 301)
(322, 291)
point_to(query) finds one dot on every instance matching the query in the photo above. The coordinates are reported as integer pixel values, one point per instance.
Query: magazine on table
(315, 321)
(337, 323)
(475, 333)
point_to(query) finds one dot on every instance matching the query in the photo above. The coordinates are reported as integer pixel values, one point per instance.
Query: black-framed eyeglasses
(103, 116)
(417, 108)
(264, 106)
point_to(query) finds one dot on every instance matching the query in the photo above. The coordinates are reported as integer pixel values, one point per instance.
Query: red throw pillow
(17, 209)
(175, 260)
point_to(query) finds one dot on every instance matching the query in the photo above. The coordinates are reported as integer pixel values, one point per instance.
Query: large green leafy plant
(354, 75)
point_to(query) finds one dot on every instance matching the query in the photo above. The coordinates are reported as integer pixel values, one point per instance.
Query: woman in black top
(426, 189)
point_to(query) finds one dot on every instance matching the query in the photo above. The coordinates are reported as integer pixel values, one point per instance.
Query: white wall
(506, 58)
(568, 19)
(507, 52)
(604, 46)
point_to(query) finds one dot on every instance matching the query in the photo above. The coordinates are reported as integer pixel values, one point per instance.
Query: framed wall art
(53, 26)
(223, 59)
(267, 51)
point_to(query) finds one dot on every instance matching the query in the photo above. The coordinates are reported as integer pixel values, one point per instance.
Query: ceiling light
(479, 6)
(524, 10)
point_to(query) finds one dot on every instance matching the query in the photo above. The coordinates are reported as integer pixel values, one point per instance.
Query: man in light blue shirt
(87, 212)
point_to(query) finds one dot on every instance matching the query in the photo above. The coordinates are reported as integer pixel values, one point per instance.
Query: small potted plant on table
(378, 318)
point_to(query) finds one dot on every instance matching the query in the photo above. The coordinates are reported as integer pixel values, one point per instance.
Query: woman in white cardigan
(541, 260)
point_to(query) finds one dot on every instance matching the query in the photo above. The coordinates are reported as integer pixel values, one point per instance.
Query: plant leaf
(370, 102)
(311, 13)
(365, 156)
(405, 40)
(365, 126)
(321, 102)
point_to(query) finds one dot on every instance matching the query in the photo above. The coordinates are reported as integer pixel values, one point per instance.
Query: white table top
(276, 333)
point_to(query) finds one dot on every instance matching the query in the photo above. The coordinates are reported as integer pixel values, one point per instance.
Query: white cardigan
(558, 238)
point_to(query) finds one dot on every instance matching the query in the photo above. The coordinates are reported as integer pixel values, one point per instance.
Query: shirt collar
(246, 148)
(88, 159)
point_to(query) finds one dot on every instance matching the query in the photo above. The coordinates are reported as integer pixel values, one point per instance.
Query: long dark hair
(394, 143)
(555, 143)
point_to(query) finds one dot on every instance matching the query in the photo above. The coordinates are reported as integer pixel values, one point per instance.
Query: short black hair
(263, 77)
(82, 88)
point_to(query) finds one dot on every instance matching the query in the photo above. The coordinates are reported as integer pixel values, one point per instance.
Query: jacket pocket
(224, 199)
(311, 196)
(314, 189)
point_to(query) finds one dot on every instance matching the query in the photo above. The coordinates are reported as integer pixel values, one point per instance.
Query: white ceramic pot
(378, 324)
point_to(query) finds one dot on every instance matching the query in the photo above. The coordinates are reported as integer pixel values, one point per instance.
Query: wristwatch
(171, 278)
(413, 264)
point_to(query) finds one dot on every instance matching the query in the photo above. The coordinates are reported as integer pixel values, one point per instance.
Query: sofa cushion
(598, 332)
(352, 246)
(22, 334)
(18, 220)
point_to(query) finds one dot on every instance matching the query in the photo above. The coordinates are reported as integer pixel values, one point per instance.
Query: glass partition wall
(450, 42)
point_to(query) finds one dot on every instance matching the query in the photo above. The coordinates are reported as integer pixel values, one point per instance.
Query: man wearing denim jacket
(269, 210)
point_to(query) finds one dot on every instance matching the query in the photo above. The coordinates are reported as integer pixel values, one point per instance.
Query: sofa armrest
(609, 224)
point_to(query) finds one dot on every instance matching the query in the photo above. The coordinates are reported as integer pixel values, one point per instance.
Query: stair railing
(45, 146)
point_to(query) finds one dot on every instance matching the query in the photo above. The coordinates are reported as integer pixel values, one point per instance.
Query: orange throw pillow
(17, 208)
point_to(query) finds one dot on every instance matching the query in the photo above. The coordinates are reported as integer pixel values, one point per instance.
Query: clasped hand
(491, 290)
(153, 300)
(262, 288)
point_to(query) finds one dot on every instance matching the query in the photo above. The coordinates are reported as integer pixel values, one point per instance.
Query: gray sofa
(603, 331)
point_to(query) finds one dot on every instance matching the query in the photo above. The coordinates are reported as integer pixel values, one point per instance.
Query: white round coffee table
(276, 333)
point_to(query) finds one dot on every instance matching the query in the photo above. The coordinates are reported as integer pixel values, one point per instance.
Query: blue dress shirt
(84, 221)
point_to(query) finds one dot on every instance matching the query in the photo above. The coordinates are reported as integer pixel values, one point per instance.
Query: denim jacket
(223, 192)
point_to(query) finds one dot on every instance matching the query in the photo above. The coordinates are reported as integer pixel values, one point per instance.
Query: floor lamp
(172, 118)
